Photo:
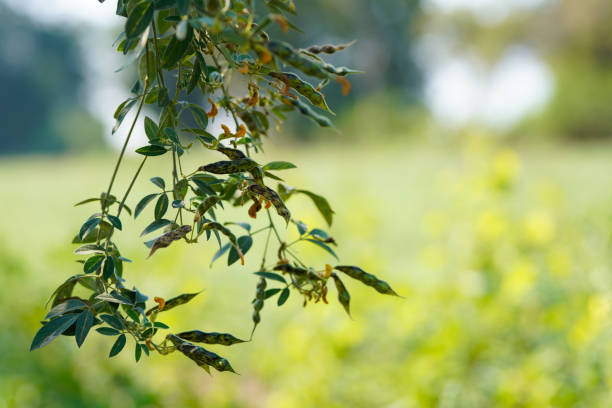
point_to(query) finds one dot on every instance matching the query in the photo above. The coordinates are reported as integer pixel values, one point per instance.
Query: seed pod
(173, 302)
(328, 48)
(367, 278)
(166, 239)
(230, 236)
(200, 355)
(286, 53)
(298, 272)
(198, 336)
(343, 295)
(205, 206)
(257, 174)
(302, 87)
(228, 167)
(260, 290)
(232, 154)
(271, 195)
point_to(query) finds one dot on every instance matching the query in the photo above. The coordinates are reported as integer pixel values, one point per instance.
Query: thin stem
(158, 64)
(131, 185)
(263, 261)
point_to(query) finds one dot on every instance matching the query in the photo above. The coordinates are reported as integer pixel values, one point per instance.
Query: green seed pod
(343, 295)
(200, 355)
(367, 278)
(198, 336)
(223, 230)
(228, 167)
(169, 237)
(272, 196)
(286, 53)
(257, 174)
(205, 206)
(302, 87)
(297, 272)
(173, 302)
(258, 304)
(328, 48)
(232, 154)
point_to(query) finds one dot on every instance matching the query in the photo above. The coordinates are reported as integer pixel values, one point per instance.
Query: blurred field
(504, 258)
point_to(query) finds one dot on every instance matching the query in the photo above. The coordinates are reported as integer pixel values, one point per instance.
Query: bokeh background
(473, 171)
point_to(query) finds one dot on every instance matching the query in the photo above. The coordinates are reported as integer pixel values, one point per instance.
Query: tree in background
(40, 80)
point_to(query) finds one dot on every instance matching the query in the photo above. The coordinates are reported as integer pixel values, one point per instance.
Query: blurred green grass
(503, 256)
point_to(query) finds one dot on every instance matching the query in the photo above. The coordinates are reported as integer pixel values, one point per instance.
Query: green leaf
(279, 165)
(176, 49)
(220, 252)
(151, 150)
(302, 228)
(138, 19)
(321, 204)
(244, 243)
(318, 233)
(270, 292)
(115, 221)
(322, 245)
(52, 329)
(159, 182)
(283, 297)
(183, 6)
(89, 200)
(107, 331)
(151, 129)
(199, 115)
(83, 324)
(137, 352)
(272, 276)
(121, 112)
(161, 206)
(88, 226)
(161, 325)
(89, 249)
(143, 203)
(118, 346)
(114, 298)
(112, 321)
(65, 307)
(93, 263)
(155, 225)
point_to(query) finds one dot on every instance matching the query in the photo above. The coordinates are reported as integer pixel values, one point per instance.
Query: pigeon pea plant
(202, 44)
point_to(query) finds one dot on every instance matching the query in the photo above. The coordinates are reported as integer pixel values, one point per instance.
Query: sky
(458, 89)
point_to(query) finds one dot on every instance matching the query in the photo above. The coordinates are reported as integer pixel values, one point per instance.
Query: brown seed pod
(169, 237)
(297, 272)
(229, 167)
(198, 336)
(258, 304)
(230, 236)
(272, 196)
(200, 355)
(367, 278)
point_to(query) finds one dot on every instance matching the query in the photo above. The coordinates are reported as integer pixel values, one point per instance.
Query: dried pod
(230, 236)
(232, 154)
(169, 237)
(258, 304)
(173, 302)
(302, 87)
(228, 167)
(200, 355)
(286, 53)
(343, 295)
(305, 110)
(198, 336)
(297, 272)
(367, 278)
(272, 196)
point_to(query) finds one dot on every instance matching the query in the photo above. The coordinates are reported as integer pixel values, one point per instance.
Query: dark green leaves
(108, 331)
(143, 203)
(92, 264)
(89, 249)
(272, 276)
(138, 19)
(115, 221)
(52, 329)
(161, 206)
(244, 243)
(283, 297)
(279, 165)
(65, 307)
(151, 129)
(151, 150)
(176, 49)
(88, 226)
(159, 182)
(83, 324)
(118, 346)
(155, 225)
(322, 245)
(321, 204)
